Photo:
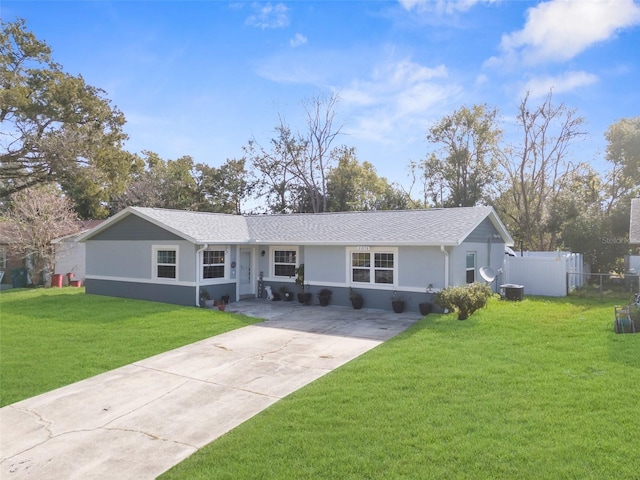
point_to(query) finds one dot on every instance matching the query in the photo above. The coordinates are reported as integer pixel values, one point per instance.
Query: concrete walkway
(137, 421)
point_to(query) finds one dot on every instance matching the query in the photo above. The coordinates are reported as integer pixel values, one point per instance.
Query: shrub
(465, 300)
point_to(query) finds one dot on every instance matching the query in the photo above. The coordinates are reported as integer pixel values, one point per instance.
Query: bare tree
(536, 169)
(38, 216)
(314, 168)
(294, 170)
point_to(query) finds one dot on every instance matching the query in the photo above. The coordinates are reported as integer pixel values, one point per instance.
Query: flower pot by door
(304, 298)
(398, 306)
(425, 308)
(357, 303)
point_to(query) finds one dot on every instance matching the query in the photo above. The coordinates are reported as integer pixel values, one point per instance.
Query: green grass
(536, 389)
(54, 337)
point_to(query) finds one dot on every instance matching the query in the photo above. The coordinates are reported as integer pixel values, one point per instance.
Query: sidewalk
(139, 420)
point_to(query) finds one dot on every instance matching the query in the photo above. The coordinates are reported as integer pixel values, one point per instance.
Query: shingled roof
(634, 223)
(388, 227)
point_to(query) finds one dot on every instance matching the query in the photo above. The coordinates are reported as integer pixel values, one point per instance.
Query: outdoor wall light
(262, 253)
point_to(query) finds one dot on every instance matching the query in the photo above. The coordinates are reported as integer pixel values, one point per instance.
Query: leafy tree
(162, 184)
(179, 187)
(277, 181)
(39, 215)
(537, 169)
(468, 171)
(623, 153)
(225, 188)
(355, 186)
(53, 124)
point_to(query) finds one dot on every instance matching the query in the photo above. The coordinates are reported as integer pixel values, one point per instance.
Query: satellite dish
(487, 274)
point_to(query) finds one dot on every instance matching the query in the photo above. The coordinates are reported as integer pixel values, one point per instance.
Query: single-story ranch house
(170, 256)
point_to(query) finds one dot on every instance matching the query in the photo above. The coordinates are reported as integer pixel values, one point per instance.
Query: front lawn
(56, 336)
(536, 389)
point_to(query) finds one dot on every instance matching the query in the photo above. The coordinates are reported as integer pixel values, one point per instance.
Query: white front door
(246, 286)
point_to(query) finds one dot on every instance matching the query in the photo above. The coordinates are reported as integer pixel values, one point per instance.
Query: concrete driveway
(139, 420)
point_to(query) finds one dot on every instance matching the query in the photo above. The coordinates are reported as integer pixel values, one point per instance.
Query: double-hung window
(284, 262)
(213, 264)
(165, 262)
(373, 267)
(471, 267)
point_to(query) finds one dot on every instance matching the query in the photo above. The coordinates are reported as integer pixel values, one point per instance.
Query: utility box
(513, 292)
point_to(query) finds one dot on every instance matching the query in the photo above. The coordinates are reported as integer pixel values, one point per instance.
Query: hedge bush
(465, 299)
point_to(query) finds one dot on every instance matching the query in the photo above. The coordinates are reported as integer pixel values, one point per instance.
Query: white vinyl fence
(545, 273)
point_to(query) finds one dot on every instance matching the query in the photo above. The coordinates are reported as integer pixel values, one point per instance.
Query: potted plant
(303, 297)
(397, 302)
(324, 296)
(222, 304)
(205, 299)
(286, 295)
(356, 299)
(426, 307)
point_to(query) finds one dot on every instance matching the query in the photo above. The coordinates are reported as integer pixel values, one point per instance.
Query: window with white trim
(165, 262)
(471, 267)
(213, 263)
(284, 262)
(373, 267)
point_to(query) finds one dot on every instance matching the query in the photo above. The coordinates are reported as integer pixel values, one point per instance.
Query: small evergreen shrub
(465, 299)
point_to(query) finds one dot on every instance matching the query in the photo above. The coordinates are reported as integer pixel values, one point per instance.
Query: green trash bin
(19, 277)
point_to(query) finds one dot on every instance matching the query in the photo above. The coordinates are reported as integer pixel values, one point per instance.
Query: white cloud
(539, 86)
(558, 30)
(441, 6)
(297, 40)
(398, 97)
(269, 16)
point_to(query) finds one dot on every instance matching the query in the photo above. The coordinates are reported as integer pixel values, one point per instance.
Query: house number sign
(362, 247)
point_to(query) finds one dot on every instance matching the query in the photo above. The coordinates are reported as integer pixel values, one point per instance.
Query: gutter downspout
(197, 272)
(446, 265)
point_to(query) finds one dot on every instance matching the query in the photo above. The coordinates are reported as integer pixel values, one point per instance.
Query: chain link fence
(603, 283)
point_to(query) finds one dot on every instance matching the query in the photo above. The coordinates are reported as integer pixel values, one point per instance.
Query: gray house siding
(483, 232)
(325, 265)
(133, 259)
(175, 294)
(487, 254)
(132, 227)
(420, 267)
(328, 266)
(124, 269)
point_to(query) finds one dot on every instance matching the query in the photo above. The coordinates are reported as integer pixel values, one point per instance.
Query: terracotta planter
(75, 283)
(56, 280)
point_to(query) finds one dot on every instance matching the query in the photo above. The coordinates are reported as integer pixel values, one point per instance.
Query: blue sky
(201, 78)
